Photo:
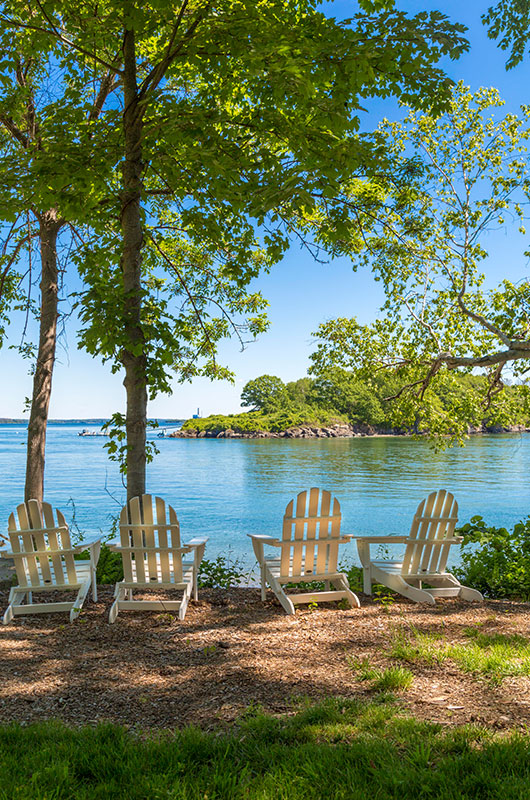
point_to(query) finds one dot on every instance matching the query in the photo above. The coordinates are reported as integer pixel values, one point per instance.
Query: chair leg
(343, 585)
(263, 584)
(276, 587)
(15, 599)
(367, 580)
(119, 594)
(184, 604)
(397, 583)
(94, 584)
(195, 582)
(470, 594)
(79, 600)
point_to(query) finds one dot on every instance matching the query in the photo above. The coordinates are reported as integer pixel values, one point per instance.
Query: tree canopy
(509, 22)
(469, 176)
(229, 128)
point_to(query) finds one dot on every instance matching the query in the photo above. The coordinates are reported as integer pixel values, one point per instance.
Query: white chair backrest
(152, 530)
(435, 520)
(311, 529)
(41, 546)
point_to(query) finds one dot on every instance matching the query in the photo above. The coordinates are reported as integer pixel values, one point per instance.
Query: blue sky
(301, 293)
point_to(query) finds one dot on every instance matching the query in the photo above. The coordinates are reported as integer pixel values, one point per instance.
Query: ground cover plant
(336, 749)
(493, 656)
(494, 560)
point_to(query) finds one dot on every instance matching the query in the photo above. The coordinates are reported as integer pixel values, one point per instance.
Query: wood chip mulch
(149, 670)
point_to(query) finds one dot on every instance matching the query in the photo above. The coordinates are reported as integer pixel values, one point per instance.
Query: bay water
(226, 489)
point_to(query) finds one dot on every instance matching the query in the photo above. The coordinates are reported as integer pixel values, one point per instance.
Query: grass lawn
(336, 749)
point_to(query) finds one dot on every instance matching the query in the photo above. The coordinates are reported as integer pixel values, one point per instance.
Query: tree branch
(14, 130)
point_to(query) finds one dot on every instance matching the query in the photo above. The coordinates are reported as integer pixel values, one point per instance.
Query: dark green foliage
(338, 750)
(221, 572)
(359, 401)
(252, 421)
(266, 393)
(509, 22)
(494, 560)
(110, 566)
(337, 395)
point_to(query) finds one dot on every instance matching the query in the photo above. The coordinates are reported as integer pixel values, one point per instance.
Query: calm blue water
(225, 489)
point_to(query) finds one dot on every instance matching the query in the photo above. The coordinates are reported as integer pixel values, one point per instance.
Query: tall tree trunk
(49, 226)
(133, 357)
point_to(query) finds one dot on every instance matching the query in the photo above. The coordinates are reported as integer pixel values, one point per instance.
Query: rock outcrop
(336, 431)
(339, 430)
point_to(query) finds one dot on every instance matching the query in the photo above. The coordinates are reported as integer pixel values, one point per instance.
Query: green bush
(494, 560)
(220, 573)
(247, 422)
(253, 421)
(110, 566)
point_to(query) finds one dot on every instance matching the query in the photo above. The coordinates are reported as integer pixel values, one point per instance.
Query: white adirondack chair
(308, 551)
(44, 562)
(152, 557)
(431, 535)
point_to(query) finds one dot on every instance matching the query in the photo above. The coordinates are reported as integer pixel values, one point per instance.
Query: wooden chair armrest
(264, 539)
(258, 540)
(197, 541)
(93, 547)
(384, 539)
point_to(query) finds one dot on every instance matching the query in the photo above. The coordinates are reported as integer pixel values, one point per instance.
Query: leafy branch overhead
(218, 132)
(468, 177)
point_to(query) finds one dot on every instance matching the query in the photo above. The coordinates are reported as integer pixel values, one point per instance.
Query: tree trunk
(133, 356)
(42, 379)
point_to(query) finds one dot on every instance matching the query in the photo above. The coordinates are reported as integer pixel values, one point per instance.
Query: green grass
(494, 656)
(416, 646)
(389, 679)
(337, 750)
(491, 656)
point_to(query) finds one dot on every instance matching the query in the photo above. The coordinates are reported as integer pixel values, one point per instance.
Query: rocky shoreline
(337, 431)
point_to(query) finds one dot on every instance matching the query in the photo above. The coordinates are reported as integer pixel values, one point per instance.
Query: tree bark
(49, 226)
(133, 356)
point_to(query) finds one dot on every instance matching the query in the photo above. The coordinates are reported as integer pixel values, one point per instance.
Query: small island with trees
(338, 403)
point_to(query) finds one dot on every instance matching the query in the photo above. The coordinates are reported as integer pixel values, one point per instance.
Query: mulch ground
(232, 651)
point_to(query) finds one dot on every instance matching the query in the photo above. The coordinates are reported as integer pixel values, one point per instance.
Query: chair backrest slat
(151, 529)
(149, 539)
(40, 540)
(163, 539)
(334, 535)
(176, 555)
(313, 526)
(310, 535)
(138, 539)
(126, 541)
(435, 520)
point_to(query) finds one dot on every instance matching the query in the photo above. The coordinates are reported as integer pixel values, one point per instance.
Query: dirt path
(232, 652)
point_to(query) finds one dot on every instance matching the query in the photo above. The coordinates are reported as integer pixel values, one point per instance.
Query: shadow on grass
(339, 749)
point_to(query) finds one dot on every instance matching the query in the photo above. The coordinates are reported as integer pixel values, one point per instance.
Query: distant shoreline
(90, 421)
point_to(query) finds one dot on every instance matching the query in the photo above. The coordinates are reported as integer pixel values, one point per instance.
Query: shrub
(220, 573)
(110, 566)
(494, 560)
